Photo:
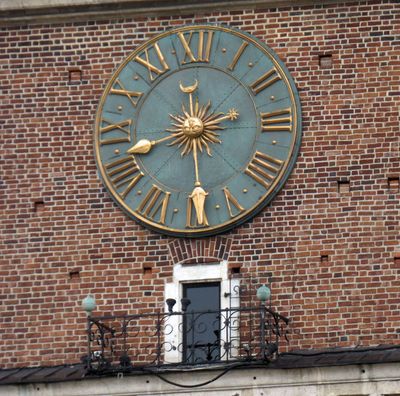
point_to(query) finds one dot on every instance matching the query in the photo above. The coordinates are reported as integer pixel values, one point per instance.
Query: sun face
(197, 126)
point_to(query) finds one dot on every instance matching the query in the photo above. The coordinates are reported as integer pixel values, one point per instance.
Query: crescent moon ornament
(190, 88)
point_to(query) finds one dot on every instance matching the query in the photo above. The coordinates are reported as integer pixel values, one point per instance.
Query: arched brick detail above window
(190, 251)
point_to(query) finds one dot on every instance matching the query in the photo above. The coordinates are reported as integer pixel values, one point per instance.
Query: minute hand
(198, 195)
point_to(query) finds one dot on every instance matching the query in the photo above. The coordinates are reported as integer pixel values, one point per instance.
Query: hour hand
(143, 146)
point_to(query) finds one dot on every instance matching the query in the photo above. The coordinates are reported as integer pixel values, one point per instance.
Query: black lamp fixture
(185, 302)
(170, 303)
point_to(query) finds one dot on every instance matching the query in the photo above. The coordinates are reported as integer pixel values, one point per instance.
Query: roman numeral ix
(122, 127)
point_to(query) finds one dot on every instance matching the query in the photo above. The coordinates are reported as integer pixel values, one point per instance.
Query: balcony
(171, 339)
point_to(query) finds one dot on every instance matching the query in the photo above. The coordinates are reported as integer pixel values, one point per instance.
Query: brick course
(331, 254)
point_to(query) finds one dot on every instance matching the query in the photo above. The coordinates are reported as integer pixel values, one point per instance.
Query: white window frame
(198, 273)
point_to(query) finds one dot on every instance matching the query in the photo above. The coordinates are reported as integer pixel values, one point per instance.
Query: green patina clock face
(197, 130)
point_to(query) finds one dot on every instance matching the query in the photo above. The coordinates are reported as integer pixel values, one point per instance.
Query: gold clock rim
(247, 214)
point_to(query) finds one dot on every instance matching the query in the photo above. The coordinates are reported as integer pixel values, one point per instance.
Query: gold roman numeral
(267, 79)
(190, 223)
(238, 54)
(124, 172)
(154, 71)
(263, 168)
(202, 49)
(119, 89)
(121, 127)
(230, 199)
(271, 122)
(155, 202)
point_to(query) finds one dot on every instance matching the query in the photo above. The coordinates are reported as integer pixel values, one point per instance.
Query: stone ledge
(14, 12)
(296, 360)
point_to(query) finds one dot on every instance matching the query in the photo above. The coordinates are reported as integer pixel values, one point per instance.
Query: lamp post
(88, 305)
(263, 293)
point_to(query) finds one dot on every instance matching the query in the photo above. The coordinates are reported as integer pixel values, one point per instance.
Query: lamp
(185, 302)
(170, 303)
(89, 304)
(263, 293)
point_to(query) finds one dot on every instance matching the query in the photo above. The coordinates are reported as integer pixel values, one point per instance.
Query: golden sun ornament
(197, 127)
(193, 130)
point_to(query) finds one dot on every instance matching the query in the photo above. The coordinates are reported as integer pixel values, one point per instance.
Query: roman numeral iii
(263, 168)
(196, 50)
(278, 120)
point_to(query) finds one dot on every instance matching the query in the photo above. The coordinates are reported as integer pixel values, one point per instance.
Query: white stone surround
(183, 273)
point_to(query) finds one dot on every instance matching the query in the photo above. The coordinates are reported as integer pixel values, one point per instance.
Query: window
(209, 288)
(201, 323)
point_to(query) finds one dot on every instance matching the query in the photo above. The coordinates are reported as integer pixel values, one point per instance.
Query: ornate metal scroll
(125, 343)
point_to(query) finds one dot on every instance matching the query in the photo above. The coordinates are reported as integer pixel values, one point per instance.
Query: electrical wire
(195, 385)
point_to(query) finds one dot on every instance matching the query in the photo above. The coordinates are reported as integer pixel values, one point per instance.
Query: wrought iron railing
(129, 342)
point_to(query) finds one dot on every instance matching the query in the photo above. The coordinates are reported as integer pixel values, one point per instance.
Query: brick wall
(329, 241)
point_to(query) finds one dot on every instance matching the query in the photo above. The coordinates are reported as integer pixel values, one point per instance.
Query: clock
(197, 130)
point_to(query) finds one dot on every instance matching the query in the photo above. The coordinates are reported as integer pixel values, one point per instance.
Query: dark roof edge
(338, 357)
(16, 12)
(289, 360)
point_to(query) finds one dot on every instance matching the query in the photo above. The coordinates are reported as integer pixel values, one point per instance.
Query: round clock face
(197, 130)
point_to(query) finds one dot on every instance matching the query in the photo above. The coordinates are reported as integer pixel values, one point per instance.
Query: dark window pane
(201, 324)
